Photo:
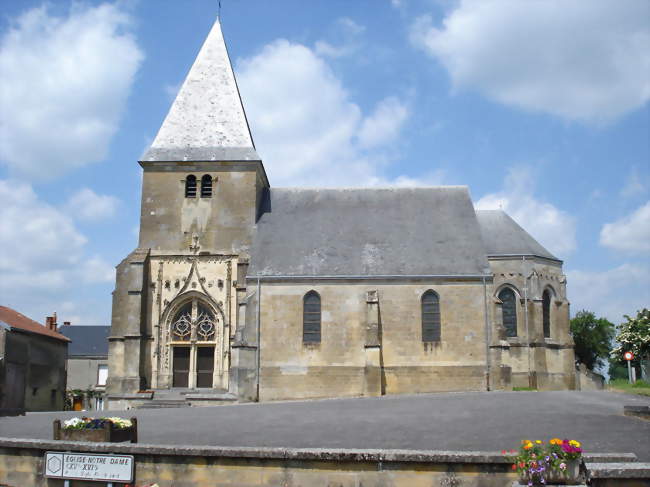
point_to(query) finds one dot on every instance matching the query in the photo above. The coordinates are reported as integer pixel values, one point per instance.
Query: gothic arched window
(194, 316)
(311, 318)
(190, 186)
(181, 328)
(206, 186)
(430, 317)
(546, 313)
(509, 311)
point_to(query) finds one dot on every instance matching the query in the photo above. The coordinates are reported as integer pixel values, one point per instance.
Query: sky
(539, 107)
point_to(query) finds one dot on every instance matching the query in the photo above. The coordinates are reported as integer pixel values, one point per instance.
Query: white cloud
(550, 226)
(97, 269)
(629, 234)
(65, 84)
(347, 34)
(634, 185)
(42, 258)
(610, 293)
(384, 124)
(306, 128)
(87, 205)
(576, 59)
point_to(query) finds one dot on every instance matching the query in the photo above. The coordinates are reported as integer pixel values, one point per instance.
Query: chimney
(66, 323)
(50, 322)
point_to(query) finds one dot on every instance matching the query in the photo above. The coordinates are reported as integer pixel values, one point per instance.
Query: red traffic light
(628, 356)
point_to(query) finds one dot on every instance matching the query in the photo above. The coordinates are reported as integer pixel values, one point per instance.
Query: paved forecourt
(485, 421)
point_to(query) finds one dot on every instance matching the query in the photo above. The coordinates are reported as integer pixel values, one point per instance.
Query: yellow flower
(528, 446)
(555, 441)
(574, 443)
(538, 442)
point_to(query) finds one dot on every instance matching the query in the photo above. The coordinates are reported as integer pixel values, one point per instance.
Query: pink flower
(562, 466)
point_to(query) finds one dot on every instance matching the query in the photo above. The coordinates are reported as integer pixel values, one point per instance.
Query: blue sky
(540, 107)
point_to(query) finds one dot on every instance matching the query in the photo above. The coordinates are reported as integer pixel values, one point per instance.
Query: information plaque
(87, 466)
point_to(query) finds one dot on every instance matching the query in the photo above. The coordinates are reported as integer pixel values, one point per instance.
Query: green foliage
(524, 389)
(617, 369)
(593, 338)
(639, 387)
(634, 336)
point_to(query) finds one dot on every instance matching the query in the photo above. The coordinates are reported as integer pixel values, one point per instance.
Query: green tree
(634, 336)
(593, 338)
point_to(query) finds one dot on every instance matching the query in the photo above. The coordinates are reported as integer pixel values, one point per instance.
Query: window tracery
(194, 319)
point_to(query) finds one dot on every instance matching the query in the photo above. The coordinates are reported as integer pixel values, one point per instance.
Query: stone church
(239, 291)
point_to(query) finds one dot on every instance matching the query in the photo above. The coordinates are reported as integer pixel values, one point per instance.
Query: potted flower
(557, 462)
(110, 430)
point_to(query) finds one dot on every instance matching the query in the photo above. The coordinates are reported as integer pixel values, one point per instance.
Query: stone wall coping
(619, 470)
(609, 457)
(322, 454)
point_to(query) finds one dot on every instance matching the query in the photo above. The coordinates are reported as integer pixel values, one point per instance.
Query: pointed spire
(207, 121)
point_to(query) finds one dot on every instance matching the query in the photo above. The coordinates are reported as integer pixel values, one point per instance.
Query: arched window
(206, 186)
(509, 311)
(181, 328)
(546, 313)
(430, 317)
(190, 186)
(311, 318)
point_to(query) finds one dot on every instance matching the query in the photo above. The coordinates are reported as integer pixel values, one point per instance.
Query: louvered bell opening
(190, 187)
(206, 186)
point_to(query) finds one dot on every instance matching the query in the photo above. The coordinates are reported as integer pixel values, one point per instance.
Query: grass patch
(524, 389)
(639, 387)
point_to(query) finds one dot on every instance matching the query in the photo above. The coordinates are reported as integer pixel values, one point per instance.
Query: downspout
(259, 337)
(523, 259)
(487, 336)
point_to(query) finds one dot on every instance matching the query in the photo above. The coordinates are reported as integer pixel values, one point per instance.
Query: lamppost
(628, 356)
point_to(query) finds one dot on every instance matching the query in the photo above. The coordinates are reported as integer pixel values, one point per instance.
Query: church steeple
(207, 121)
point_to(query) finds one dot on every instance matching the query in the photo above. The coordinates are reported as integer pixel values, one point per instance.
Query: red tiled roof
(17, 320)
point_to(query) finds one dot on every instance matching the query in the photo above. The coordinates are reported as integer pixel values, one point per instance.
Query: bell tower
(175, 299)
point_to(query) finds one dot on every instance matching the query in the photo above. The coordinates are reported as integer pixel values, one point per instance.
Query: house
(87, 365)
(32, 363)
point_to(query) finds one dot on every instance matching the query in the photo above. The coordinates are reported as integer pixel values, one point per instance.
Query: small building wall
(83, 372)
(339, 365)
(38, 362)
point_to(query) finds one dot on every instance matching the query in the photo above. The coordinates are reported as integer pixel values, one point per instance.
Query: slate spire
(207, 121)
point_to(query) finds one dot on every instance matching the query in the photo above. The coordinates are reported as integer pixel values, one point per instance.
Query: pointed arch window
(509, 311)
(206, 186)
(430, 305)
(546, 313)
(194, 318)
(190, 186)
(311, 319)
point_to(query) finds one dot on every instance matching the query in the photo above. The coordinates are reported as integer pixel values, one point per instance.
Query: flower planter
(570, 476)
(109, 433)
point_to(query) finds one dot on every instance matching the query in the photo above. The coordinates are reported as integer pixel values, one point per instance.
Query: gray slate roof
(368, 232)
(503, 236)
(207, 120)
(86, 340)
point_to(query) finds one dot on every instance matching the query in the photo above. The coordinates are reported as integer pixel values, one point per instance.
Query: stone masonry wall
(339, 364)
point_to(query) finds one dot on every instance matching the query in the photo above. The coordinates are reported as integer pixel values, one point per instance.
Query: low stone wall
(586, 380)
(21, 464)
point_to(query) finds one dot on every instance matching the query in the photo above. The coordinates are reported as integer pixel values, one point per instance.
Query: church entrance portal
(195, 345)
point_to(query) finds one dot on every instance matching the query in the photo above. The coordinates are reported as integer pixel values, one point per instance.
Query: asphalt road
(451, 421)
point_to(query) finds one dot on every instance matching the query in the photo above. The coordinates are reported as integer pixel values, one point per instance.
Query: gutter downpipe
(487, 336)
(523, 259)
(259, 337)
